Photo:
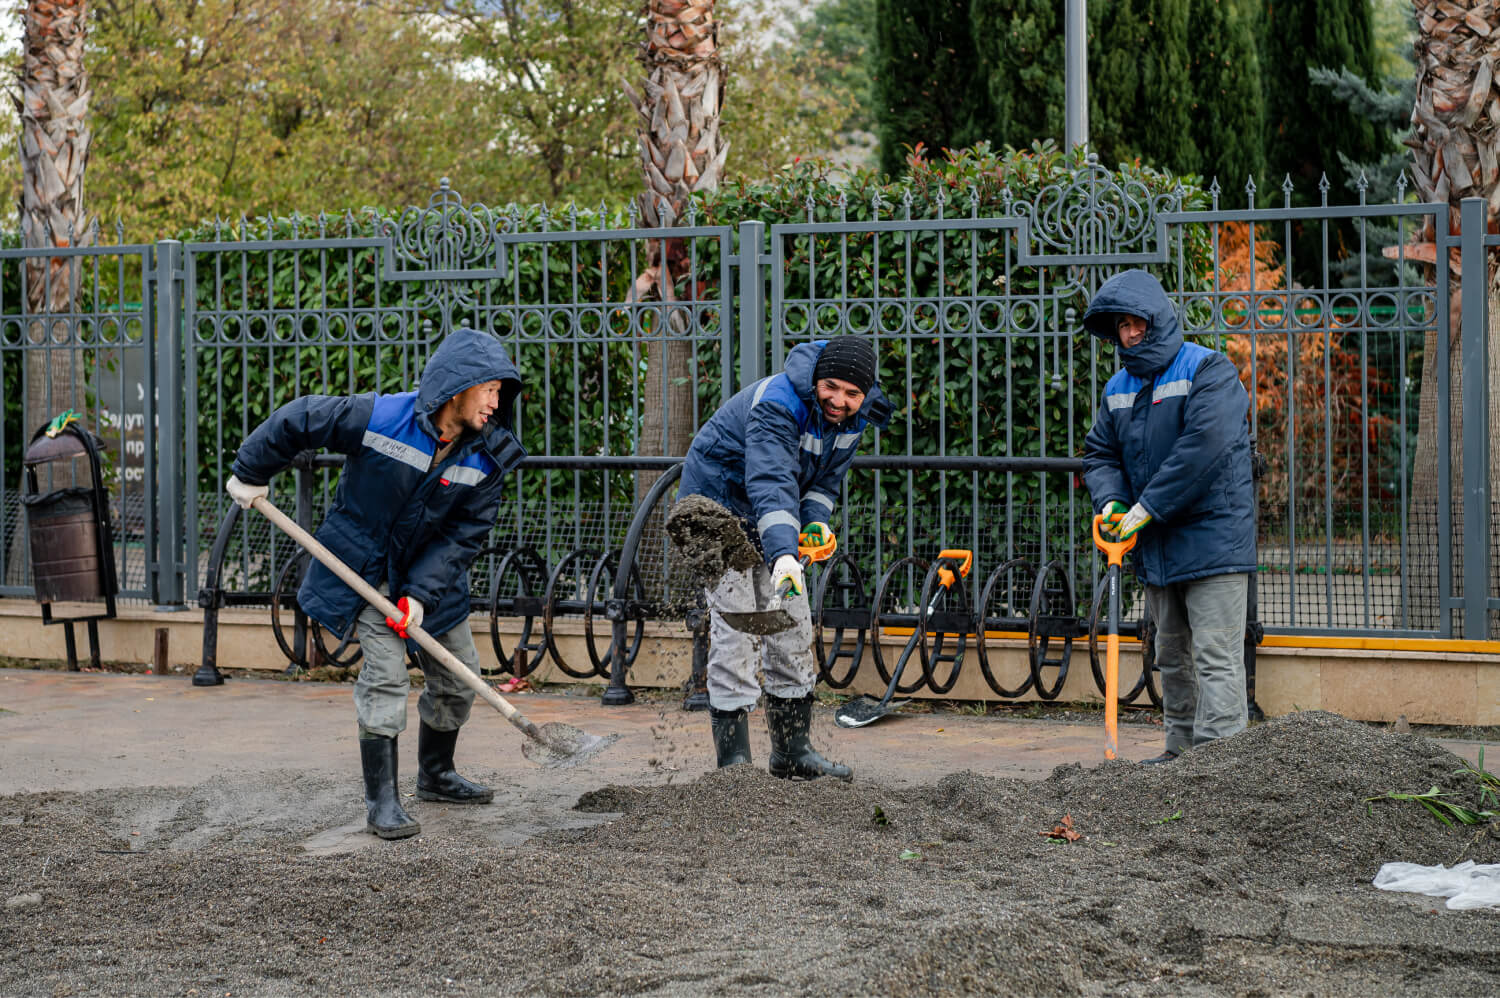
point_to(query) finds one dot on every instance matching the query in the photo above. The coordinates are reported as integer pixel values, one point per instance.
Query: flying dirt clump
(710, 538)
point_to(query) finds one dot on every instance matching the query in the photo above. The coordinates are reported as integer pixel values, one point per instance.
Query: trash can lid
(58, 448)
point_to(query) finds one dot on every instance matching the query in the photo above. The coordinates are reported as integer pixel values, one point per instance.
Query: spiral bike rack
(840, 601)
(344, 655)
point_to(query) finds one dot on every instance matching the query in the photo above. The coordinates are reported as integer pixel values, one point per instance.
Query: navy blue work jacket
(395, 518)
(771, 457)
(1172, 434)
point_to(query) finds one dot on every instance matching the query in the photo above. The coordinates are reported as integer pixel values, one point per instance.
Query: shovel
(553, 744)
(1114, 551)
(863, 710)
(777, 619)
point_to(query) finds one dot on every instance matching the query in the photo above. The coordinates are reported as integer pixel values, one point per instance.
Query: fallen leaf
(1063, 831)
(910, 854)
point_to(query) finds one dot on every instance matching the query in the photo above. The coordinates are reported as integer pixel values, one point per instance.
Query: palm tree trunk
(53, 104)
(682, 152)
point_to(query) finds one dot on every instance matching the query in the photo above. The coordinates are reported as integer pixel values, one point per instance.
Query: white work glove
(788, 569)
(413, 611)
(245, 494)
(1134, 520)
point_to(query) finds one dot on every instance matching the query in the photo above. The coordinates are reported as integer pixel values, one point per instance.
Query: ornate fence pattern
(977, 320)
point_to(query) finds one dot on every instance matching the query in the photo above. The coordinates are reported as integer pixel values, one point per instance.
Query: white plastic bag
(1467, 885)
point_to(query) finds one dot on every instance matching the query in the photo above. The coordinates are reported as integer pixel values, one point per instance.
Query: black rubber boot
(731, 736)
(792, 754)
(436, 779)
(382, 803)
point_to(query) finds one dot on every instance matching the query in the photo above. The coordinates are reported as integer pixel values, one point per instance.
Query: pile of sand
(1242, 867)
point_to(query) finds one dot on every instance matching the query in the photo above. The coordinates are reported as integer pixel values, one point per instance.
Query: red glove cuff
(399, 626)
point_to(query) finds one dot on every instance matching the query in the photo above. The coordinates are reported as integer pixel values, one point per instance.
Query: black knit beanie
(847, 358)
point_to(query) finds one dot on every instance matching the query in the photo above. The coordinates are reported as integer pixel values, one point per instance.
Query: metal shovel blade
(760, 621)
(557, 745)
(865, 710)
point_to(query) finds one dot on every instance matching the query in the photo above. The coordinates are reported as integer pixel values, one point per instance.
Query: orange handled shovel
(1114, 551)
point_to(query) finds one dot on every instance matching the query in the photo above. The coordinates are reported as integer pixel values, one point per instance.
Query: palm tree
(53, 103)
(682, 151)
(1456, 156)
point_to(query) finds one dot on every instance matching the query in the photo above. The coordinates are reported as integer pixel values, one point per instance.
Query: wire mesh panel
(76, 333)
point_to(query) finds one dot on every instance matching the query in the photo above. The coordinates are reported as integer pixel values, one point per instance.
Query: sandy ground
(1243, 868)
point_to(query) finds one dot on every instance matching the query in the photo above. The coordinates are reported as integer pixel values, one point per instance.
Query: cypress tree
(927, 82)
(1227, 114)
(1305, 129)
(1020, 49)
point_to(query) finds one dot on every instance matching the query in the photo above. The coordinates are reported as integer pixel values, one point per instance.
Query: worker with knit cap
(776, 455)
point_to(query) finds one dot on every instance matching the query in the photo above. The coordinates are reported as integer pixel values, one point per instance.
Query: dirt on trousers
(1241, 869)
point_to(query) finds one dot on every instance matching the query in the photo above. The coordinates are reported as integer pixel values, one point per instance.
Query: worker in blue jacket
(1168, 459)
(416, 500)
(776, 454)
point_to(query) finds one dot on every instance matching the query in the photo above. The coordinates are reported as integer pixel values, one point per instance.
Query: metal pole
(1076, 85)
(170, 487)
(752, 314)
(1476, 430)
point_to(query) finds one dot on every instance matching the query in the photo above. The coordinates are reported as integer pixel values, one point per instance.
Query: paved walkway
(81, 731)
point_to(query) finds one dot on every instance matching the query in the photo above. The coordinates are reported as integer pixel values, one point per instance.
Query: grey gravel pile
(1243, 868)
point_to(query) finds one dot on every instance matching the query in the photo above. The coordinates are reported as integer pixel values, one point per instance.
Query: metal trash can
(71, 543)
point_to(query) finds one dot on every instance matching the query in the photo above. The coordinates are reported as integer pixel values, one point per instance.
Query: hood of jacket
(464, 359)
(800, 363)
(1138, 293)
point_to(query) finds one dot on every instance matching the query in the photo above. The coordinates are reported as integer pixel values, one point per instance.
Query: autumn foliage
(1300, 359)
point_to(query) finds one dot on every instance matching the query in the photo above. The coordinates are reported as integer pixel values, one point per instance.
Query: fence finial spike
(1214, 188)
(1286, 184)
(1250, 186)
(1401, 187)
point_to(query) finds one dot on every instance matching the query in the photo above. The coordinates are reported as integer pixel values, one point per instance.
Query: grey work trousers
(785, 659)
(1200, 649)
(381, 690)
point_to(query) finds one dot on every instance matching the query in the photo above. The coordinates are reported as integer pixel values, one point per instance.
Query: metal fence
(1367, 525)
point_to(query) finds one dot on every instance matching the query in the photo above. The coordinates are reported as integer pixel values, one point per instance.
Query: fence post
(168, 413)
(751, 321)
(1476, 410)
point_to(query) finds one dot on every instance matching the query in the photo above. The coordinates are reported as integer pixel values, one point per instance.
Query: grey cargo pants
(1200, 649)
(784, 659)
(381, 690)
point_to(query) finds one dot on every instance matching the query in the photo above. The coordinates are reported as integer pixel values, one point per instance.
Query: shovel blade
(760, 622)
(558, 745)
(865, 710)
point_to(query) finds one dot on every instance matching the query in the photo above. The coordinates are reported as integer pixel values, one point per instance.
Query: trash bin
(71, 543)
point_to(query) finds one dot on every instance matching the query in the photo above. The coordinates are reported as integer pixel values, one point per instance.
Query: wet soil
(710, 539)
(1242, 868)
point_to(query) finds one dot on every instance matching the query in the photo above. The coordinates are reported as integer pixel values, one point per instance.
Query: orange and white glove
(412, 611)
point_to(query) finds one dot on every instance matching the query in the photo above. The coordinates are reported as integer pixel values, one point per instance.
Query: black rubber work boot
(792, 754)
(382, 803)
(1166, 756)
(731, 736)
(436, 779)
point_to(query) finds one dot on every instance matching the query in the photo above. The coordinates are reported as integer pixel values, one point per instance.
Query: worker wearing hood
(1168, 461)
(417, 498)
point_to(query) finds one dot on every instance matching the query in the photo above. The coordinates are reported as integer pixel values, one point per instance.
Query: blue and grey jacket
(393, 520)
(1173, 435)
(769, 455)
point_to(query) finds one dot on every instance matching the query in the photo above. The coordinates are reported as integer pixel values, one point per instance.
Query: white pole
(1076, 79)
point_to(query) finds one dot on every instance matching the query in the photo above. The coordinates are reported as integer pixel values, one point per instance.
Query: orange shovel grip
(811, 554)
(1114, 551)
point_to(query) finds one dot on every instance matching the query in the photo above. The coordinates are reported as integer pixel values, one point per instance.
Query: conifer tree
(1305, 130)
(1227, 114)
(928, 86)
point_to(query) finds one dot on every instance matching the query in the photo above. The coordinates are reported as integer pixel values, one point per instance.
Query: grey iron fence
(1365, 527)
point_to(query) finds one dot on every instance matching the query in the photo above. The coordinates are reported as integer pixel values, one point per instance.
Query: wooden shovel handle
(371, 595)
